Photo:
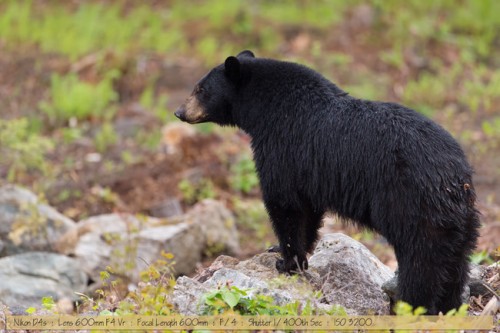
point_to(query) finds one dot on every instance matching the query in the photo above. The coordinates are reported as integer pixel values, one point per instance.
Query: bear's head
(213, 97)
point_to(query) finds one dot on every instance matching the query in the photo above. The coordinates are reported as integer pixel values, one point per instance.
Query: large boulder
(26, 224)
(345, 271)
(107, 241)
(257, 275)
(128, 244)
(28, 277)
(351, 275)
(184, 240)
(217, 226)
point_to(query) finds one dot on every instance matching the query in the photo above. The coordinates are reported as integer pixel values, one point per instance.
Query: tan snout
(191, 111)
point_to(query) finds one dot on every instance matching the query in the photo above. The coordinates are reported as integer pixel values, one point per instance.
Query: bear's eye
(199, 90)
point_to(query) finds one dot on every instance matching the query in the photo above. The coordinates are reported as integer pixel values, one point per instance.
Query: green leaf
(48, 303)
(106, 313)
(419, 311)
(231, 298)
(30, 310)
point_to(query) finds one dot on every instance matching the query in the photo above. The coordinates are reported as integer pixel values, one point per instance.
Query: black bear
(385, 166)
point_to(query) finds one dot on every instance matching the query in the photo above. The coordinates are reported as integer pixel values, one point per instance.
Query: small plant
(252, 215)
(48, 303)
(105, 138)
(429, 91)
(149, 298)
(21, 150)
(482, 257)
(157, 105)
(229, 298)
(71, 134)
(30, 225)
(67, 194)
(106, 195)
(128, 158)
(72, 98)
(404, 309)
(196, 191)
(148, 139)
(244, 177)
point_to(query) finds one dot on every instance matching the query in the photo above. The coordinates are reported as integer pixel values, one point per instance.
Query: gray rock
(390, 287)
(129, 244)
(343, 269)
(254, 276)
(187, 295)
(476, 283)
(217, 226)
(167, 208)
(206, 229)
(26, 224)
(183, 240)
(351, 275)
(28, 277)
(108, 241)
(477, 272)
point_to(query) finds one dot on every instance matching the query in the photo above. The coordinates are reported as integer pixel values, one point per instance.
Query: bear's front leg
(288, 225)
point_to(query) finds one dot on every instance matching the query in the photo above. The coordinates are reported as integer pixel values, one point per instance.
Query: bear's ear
(246, 53)
(232, 69)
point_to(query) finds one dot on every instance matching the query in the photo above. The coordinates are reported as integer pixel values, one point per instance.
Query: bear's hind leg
(454, 288)
(419, 280)
(433, 269)
(312, 225)
(289, 226)
(461, 245)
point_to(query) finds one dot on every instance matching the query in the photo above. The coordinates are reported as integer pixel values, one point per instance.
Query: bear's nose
(181, 113)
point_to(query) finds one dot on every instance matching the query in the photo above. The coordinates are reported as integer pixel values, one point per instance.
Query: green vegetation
(92, 27)
(22, 150)
(232, 298)
(251, 215)
(405, 309)
(244, 177)
(149, 298)
(105, 138)
(72, 98)
(31, 225)
(244, 302)
(96, 27)
(193, 192)
(157, 106)
(481, 257)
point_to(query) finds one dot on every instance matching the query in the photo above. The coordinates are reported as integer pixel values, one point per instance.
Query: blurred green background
(87, 91)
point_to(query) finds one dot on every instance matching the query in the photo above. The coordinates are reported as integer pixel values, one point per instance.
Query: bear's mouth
(191, 112)
(190, 117)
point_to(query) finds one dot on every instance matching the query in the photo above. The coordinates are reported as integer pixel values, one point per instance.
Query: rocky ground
(45, 254)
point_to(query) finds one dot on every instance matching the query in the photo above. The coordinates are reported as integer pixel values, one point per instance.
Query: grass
(244, 176)
(92, 27)
(211, 30)
(22, 150)
(98, 27)
(72, 98)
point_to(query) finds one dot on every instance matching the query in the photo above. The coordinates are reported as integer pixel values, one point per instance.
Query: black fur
(382, 165)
